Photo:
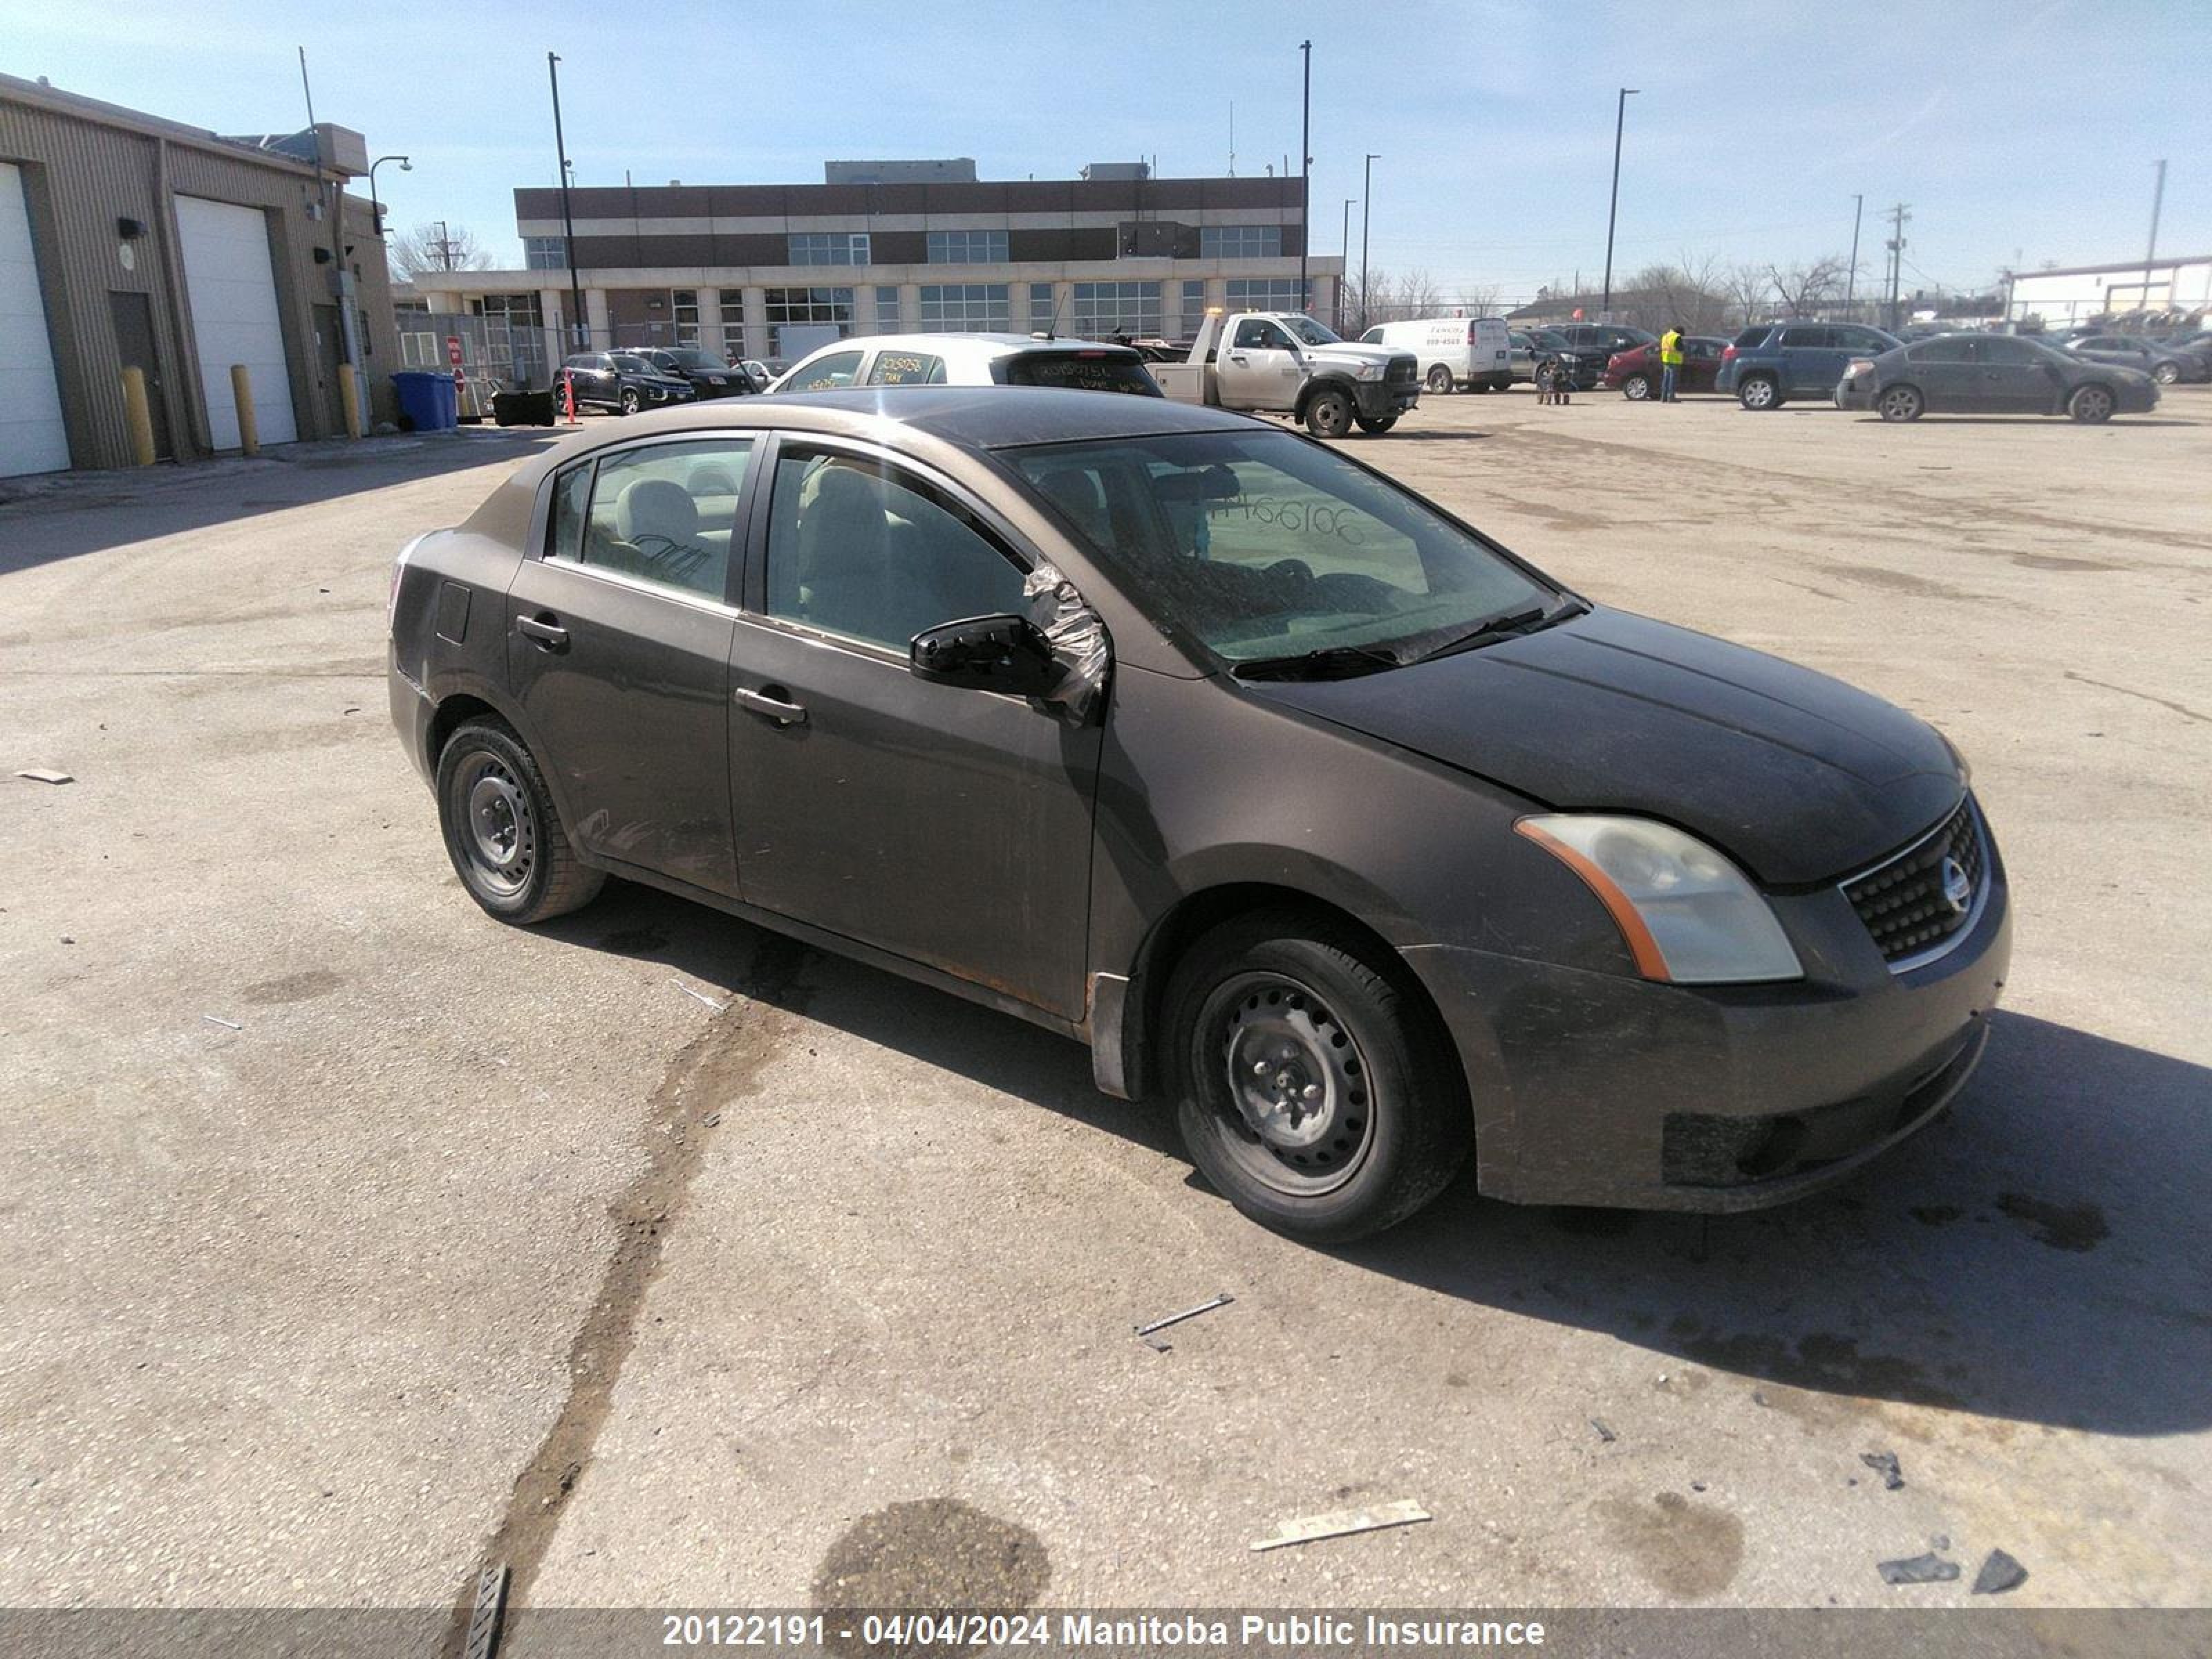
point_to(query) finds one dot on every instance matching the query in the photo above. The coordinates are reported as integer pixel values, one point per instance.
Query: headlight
(1688, 914)
(1371, 371)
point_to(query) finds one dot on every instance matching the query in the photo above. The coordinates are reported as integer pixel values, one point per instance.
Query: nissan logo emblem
(1958, 887)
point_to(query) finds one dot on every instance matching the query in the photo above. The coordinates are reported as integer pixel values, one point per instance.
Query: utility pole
(1851, 281)
(1305, 178)
(1898, 218)
(1366, 200)
(2150, 255)
(1620, 115)
(445, 247)
(581, 329)
(1344, 261)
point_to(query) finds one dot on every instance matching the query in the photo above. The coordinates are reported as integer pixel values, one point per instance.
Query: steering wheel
(1296, 570)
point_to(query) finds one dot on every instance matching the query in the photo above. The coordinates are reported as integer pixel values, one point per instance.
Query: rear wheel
(1328, 414)
(501, 831)
(1318, 1096)
(1376, 427)
(1440, 380)
(2090, 404)
(1900, 402)
(1759, 391)
(1636, 388)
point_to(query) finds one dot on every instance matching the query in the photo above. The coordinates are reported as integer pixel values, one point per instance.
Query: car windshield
(1550, 339)
(1259, 544)
(631, 365)
(1308, 330)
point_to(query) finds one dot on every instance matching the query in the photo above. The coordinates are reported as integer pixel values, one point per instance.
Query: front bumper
(1603, 1090)
(1381, 400)
(1856, 394)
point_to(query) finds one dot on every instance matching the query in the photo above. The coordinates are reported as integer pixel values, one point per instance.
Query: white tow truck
(1285, 362)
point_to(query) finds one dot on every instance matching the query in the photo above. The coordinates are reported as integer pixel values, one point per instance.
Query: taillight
(1470, 334)
(1728, 353)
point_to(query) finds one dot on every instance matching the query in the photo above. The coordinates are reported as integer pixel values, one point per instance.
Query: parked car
(622, 381)
(1529, 347)
(1474, 352)
(708, 376)
(970, 360)
(1770, 364)
(1635, 372)
(1992, 374)
(1592, 345)
(2162, 363)
(1190, 739)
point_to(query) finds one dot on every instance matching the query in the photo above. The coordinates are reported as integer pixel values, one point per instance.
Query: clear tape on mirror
(1077, 638)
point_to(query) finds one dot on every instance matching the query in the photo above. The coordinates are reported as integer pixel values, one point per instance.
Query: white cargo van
(1474, 352)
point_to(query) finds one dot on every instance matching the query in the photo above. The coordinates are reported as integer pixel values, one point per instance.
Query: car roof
(987, 348)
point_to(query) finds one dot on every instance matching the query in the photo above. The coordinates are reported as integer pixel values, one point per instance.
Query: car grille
(1403, 371)
(1903, 902)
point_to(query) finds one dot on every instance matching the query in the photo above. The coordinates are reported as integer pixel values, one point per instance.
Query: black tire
(1900, 402)
(492, 798)
(1636, 388)
(1440, 380)
(631, 403)
(1376, 428)
(1329, 413)
(1759, 391)
(1390, 1125)
(2091, 404)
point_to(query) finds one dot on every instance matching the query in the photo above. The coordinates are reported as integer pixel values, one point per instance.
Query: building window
(830, 247)
(544, 253)
(515, 310)
(1240, 242)
(684, 304)
(733, 341)
(1104, 308)
(1264, 293)
(1194, 310)
(967, 247)
(966, 307)
(1041, 307)
(807, 308)
(887, 309)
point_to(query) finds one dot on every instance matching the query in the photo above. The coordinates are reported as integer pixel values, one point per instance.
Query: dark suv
(1593, 343)
(708, 376)
(1770, 363)
(623, 381)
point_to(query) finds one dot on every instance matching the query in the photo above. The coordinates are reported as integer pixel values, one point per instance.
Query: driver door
(950, 826)
(1259, 367)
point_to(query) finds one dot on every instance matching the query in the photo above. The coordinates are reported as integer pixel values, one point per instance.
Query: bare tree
(1749, 287)
(1808, 286)
(428, 249)
(1478, 300)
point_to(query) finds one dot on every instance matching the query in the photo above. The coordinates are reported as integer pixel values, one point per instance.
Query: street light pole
(1620, 115)
(1851, 281)
(576, 323)
(2150, 257)
(1366, 198)
(1344, 261)
(375, 207)
(1305, 178)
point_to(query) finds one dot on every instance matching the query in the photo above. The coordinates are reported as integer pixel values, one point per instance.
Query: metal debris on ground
(1604, 1430)
(1918, 1570)
(1999, 1573)
(1885, 1465)
(1221, 1301)
(484, 1617)
(42, 774)
(698, 996)
(227, 1024)
(1304, 1529)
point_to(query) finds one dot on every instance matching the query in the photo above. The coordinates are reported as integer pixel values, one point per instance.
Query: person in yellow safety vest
(1670, 363)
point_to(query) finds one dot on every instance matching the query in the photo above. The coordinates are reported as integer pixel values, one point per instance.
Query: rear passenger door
(618, 642)
(1812, 359)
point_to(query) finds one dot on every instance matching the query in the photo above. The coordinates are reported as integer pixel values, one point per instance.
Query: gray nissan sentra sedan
(1309, 807)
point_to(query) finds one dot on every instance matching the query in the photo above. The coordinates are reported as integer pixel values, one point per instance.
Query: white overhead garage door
(31, 436)
(232, 285)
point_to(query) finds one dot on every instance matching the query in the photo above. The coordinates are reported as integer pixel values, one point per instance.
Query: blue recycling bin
(430, 402)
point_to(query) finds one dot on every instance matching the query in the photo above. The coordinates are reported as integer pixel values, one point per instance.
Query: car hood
(1348, 354)
(1799, 777)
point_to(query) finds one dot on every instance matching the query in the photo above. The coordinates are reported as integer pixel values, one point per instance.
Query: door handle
(550, 635)
(1238, 357)
(774, 707)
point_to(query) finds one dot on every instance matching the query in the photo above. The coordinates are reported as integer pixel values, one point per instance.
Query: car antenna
(1051, 328)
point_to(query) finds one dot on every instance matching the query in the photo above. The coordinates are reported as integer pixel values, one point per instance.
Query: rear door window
(663, 514)
(896, 368)
(1805, 339)
(824, 373)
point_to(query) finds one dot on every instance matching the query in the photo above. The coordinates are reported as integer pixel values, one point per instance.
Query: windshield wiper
(1330, 662)
(1508, 625)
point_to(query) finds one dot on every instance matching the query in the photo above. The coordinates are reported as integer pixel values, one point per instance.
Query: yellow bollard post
(138, 416)
(349, 396)
(241, 393)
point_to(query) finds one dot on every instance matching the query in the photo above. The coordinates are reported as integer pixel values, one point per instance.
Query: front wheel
(1376, 427)
(1440, 380)
(1759, 392)
(1636, 388)
(2167, 374)
(1329, 415)
(1900, 402)
(2090, 404)
(501, 831)
(630, 402)
(1318, 1094)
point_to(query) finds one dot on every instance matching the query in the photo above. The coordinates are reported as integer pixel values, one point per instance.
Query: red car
(1636, 371)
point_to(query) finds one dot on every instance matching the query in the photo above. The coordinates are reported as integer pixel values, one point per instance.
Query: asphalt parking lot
(352, 1239)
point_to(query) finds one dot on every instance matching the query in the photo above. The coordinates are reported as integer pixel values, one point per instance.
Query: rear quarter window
(895, 367)
(1751, 336)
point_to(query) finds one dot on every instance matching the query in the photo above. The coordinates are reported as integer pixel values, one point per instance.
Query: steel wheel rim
(1898, 403)
(2095, 401)
(498, 829)
(1298, 1115)
(1758, 393)
(1636, 388)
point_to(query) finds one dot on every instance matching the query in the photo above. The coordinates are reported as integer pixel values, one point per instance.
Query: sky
(2020, 132)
